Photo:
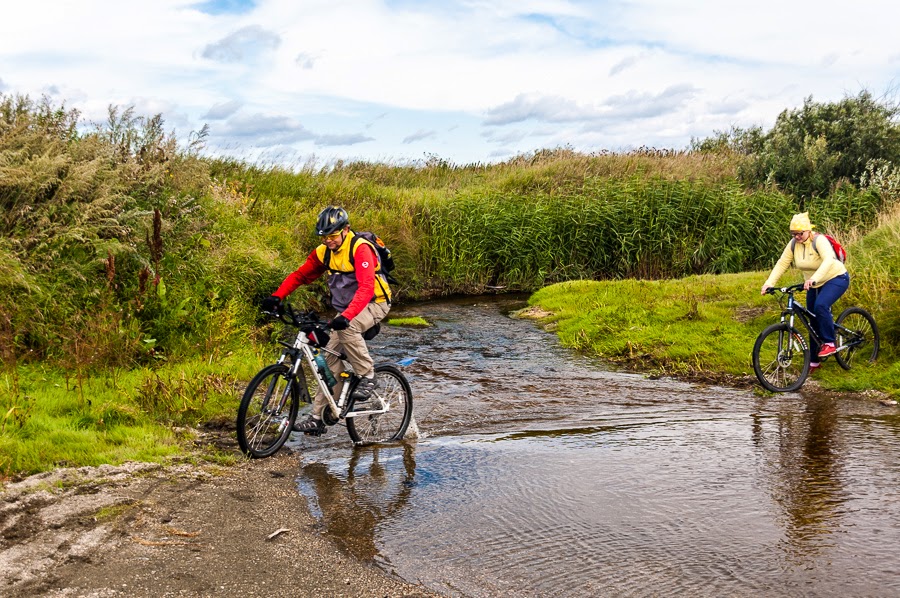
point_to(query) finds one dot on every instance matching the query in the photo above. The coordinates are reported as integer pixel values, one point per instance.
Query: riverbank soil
(181, 530)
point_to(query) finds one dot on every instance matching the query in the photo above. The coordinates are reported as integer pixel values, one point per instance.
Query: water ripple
(539, 472)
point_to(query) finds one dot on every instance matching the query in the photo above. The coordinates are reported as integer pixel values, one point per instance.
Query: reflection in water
(538, 472)
(808, 484)
(352, 496)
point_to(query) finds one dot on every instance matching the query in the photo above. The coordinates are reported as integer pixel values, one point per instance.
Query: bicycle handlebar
(785, 290)
(304, 319)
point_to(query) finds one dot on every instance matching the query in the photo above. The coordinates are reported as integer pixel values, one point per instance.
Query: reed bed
(631, 228)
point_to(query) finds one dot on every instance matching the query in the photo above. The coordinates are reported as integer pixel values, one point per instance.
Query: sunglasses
(797, 234)
(333, 236)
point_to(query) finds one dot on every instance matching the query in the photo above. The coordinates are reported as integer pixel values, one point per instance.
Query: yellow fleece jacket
(819, 264)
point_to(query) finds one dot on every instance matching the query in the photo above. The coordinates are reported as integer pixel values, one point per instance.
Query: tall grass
(874, 266)
(126, 249)
(613, 228)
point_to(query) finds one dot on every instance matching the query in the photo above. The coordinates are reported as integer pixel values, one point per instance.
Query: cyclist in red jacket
(359, 292)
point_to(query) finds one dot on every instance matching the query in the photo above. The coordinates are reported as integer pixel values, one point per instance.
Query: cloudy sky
(294, 81)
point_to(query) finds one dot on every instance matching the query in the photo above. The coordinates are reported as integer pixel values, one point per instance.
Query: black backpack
(384, 253)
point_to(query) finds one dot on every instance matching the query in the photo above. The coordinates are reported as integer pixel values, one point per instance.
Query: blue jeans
(819, 301)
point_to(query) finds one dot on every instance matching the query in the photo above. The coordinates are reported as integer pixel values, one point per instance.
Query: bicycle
(781, 355)
(271, 402)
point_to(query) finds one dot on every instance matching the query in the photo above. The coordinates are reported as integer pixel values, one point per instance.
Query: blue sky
(313, 81)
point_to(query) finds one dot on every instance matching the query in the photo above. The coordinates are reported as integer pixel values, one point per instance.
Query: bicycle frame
(795, 309)
(303, 346)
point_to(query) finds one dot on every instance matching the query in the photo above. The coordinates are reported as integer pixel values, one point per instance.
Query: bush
(812, 149)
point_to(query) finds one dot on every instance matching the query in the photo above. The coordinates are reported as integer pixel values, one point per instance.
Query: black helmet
(331, 219)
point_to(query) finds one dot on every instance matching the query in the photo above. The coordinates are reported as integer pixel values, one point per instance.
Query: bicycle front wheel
(861, 342)
(392, 393)
(267, 412)
(781, 358)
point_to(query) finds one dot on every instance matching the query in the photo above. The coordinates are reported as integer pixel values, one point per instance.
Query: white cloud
(222, 110)
(247, 43)
(313, 74)
(420, 135)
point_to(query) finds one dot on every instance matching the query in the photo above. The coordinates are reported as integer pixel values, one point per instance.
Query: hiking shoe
(827, 349)
(813, 365)
(310, 426)
(363, 390)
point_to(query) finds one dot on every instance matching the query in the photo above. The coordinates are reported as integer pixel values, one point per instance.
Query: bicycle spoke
(259, 430)
(265, 412)
(392, 395)
(779, 359)
(857, 334)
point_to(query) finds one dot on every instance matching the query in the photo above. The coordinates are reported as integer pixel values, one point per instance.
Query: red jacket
(313, 268)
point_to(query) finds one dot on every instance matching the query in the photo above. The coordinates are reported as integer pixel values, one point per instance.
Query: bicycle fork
(787, 317)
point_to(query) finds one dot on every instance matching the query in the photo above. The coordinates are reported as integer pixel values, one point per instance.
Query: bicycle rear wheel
(267, 412)
(862, 343)
(781, 358)
(392, 392)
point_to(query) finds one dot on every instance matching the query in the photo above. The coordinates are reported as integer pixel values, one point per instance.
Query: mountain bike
(781, 355)
(272, 400)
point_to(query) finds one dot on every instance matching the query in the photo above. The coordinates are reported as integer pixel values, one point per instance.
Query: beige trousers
(353, 345)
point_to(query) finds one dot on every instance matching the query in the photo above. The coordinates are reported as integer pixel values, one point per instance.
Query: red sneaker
(813, 365)
(827, 349)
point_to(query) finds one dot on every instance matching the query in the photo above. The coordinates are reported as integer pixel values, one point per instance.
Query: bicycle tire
(775, 358)
(393, 390)
(262, 428)
(863, 324)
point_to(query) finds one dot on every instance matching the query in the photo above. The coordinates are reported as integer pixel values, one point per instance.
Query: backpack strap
(814, 237)
(353, 243)
(327, 257)
(356, 238)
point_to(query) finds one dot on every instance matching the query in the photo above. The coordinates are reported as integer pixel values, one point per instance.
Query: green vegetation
(50, 418)
(414, 321)
(687, 326)
(131, 266)
(819, 147)
(112, 512)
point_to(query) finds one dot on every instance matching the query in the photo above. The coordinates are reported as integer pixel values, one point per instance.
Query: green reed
(607, 228)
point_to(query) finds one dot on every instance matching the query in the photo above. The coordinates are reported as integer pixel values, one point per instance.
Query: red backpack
(839, 250)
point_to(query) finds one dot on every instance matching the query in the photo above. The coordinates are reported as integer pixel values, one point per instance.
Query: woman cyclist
(826, 279)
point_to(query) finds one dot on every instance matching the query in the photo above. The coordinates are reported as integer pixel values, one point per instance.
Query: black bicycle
(272, 400)
(781, 355)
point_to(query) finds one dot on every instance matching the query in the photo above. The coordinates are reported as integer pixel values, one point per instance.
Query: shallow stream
(540, 472)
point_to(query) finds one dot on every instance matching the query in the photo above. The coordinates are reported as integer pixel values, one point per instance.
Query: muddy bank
(183, 530)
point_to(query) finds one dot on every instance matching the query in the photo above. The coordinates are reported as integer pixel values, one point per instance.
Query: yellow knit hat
(801, 222)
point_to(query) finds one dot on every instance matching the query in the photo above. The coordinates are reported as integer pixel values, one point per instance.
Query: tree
(814, 148)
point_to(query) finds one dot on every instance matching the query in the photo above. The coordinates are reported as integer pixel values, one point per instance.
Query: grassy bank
(53, 418)
(705, 326)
